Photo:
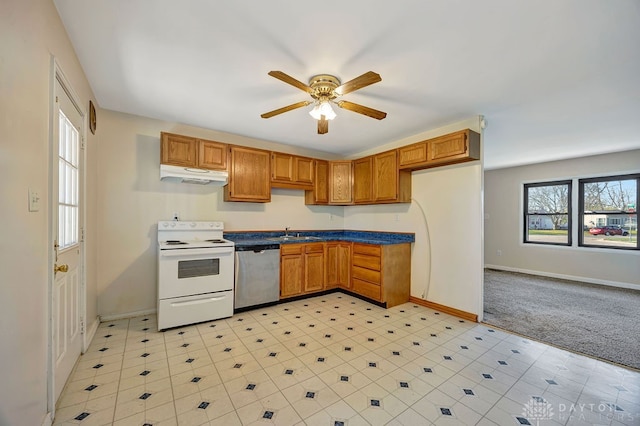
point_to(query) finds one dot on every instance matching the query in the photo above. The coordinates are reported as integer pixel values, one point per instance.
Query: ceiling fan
(325, 89)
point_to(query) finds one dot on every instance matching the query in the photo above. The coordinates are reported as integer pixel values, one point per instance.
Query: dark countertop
(251, 238)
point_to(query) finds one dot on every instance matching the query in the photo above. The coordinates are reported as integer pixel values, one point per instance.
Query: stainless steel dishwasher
(257, 277)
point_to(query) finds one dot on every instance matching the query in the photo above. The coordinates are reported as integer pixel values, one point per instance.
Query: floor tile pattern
(336, 360)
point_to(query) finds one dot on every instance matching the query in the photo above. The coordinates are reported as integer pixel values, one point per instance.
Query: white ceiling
(554, 78)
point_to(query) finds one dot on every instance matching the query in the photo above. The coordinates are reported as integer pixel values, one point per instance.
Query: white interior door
(66, 205)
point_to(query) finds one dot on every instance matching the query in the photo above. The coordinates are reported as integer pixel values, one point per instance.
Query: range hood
(192, 175)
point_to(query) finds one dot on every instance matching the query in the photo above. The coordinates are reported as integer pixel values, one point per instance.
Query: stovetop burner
(174, 242)
(217, 240)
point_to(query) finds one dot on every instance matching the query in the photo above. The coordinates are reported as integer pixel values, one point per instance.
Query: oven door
(186, 272)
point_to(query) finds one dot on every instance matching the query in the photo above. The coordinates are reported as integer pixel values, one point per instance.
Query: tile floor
(337, 360)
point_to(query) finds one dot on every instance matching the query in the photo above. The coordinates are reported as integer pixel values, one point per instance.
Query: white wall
(503, 229)
(446, 258)
(30, 32)
(132, 199)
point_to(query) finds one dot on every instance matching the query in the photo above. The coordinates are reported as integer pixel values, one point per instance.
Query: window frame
(569, 214)
(581, 212)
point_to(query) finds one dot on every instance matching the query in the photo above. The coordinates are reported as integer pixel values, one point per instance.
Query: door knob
(61, 268)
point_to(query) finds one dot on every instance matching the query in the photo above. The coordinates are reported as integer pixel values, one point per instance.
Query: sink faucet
(286, 231)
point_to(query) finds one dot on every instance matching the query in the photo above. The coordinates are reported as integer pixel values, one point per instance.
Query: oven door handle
(196, 252)
(199, 301)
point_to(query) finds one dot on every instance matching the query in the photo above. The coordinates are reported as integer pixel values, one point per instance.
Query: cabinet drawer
(366, 274)
(314, 248)
(369, 262)
(368, 249)
(367, 289)
(286, 249)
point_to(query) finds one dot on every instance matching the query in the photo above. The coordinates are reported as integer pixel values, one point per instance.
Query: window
(547, 213)
(608, 212)
(68, 188)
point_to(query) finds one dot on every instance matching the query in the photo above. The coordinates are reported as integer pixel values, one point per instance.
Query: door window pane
(68, 182)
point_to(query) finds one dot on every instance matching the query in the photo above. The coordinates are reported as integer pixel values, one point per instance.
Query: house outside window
(547, 213)
(608, 212)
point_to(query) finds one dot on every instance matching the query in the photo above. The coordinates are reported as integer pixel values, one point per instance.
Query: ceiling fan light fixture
(322, 108)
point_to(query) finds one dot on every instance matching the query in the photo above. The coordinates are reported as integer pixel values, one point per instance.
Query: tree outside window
(608, 212)
(547, 216)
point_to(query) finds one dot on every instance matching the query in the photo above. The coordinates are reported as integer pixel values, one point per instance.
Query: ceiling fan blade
(323, 125)
(361, 109)
(358, 83)
(290, 80)
(285, 109)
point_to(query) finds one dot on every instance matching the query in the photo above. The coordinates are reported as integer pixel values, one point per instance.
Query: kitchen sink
(292, 238)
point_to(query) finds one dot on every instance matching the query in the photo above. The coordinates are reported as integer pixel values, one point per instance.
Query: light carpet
(595, 320)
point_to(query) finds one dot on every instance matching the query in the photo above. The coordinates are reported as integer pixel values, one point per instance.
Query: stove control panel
(189, 225)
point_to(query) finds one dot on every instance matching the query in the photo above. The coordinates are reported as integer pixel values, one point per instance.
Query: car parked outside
(608, 230)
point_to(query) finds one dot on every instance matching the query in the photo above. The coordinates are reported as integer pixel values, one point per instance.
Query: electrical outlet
(331, 217)
(499, 252)
(176, 216)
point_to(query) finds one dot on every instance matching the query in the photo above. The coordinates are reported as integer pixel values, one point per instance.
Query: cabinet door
(412, 155)
(282, 167)
(331, 265)
(340, 181)
(344, 265)
(385, 176)
(212, 155)
(362, 180)
(320, 192)
(314, 270)
(448, 147)
(249, 172)
(303, 170)
(291, 275)
(178, 150)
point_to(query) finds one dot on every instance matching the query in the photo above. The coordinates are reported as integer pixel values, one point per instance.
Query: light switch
(34, 201)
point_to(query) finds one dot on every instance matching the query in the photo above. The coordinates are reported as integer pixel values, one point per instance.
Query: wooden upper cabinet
(178, 150)
(340, 182)
(212, 155)
(363, 180)
(291, 171)
(457, 147)
(377, 179)
(249, 172)
(320, 192)
(386, 178)
(186, 151)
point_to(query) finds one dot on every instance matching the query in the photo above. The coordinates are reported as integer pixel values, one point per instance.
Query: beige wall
(132, 199)
(30, 33)
(503, 224)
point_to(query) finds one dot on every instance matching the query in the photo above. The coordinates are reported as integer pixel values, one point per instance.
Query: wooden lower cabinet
(338, 265)
(302, 269)
(382, 272)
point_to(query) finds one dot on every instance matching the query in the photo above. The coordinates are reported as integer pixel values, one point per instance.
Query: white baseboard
(91, 332)
(566, 277)
(114, 317)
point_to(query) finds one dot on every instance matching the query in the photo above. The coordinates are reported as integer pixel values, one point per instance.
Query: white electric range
(195, 273)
